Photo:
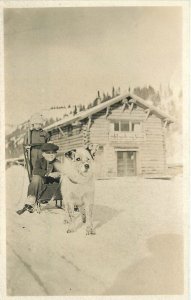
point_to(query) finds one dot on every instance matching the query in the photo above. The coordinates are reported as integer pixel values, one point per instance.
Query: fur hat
(36, 118)
(49, 147)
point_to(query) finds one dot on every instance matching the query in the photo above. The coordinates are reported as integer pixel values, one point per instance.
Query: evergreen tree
(95, 102)
(156, 99)
(75, 110)
(108, 96)
(118, 91)
(148, 93)
(104, 97)
(51, 121)
(113, 92)
(89, 105)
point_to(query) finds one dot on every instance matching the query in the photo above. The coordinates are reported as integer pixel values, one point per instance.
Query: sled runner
(51, 191)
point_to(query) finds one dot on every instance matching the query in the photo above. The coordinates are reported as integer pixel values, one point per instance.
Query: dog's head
(82, 158)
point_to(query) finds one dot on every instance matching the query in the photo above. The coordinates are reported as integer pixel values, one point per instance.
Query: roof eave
(81, 116)
(152, 108)
(87, 113)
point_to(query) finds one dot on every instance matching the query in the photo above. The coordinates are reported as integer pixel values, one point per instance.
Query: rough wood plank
(61, 131)
(148, 112)
(89, 122)
(73, 137)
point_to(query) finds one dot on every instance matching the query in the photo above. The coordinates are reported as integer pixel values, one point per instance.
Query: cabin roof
(132, 98)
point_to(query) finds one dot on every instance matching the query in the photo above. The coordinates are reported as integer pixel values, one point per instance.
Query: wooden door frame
(137, 164)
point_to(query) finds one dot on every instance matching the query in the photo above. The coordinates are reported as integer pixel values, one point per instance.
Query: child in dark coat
(35, 138)
(45, 171)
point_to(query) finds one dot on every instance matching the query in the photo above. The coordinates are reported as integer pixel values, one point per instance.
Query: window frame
(130, 123)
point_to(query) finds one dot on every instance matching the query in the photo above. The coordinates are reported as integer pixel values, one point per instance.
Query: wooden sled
(51, 191)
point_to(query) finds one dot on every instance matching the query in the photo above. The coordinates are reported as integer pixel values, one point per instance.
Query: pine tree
(156, 99)
(108, 96)
(89, 105)
(113, 92)
(75, 110)
(104, 97)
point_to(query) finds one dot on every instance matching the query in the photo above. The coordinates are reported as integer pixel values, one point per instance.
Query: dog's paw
(84, 219)
(70, 231)
(90, 231)
(93, 232)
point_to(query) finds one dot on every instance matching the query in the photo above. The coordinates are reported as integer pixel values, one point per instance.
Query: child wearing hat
(35, 138)
(44, 172)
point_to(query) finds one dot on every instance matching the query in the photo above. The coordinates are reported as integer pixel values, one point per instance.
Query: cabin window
(121, 126)
(136, 126)
(116, 126)
(127, 126)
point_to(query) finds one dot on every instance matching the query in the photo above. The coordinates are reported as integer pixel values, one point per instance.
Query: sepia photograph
(95, 161)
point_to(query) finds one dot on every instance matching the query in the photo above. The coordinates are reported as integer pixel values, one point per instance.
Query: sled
(50, 192)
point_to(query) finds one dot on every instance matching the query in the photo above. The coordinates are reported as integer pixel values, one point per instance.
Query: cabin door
(126, 163)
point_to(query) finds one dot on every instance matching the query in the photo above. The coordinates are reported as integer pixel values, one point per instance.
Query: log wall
(148, 142)
(72, 138)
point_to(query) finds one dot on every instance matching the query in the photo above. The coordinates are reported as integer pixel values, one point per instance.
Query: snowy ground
(137, 249)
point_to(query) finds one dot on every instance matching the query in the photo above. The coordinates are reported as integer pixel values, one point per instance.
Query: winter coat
(43, 167)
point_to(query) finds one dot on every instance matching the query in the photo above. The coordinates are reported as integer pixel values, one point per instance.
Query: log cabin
(130, 133)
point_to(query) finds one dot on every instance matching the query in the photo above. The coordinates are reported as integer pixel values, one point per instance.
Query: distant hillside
(9, 128)
(169, 99)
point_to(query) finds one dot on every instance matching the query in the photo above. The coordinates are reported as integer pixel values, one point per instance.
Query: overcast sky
(61, 56)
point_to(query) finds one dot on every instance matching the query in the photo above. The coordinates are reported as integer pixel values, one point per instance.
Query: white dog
(77, 185)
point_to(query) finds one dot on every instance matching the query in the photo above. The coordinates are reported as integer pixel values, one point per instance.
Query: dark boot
(26, 207)
(76, 208)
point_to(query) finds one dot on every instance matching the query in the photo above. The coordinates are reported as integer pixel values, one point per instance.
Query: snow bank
(16, 185)
(174, 146)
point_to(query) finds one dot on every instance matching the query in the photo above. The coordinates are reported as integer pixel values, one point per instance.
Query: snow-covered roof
(89, 112)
